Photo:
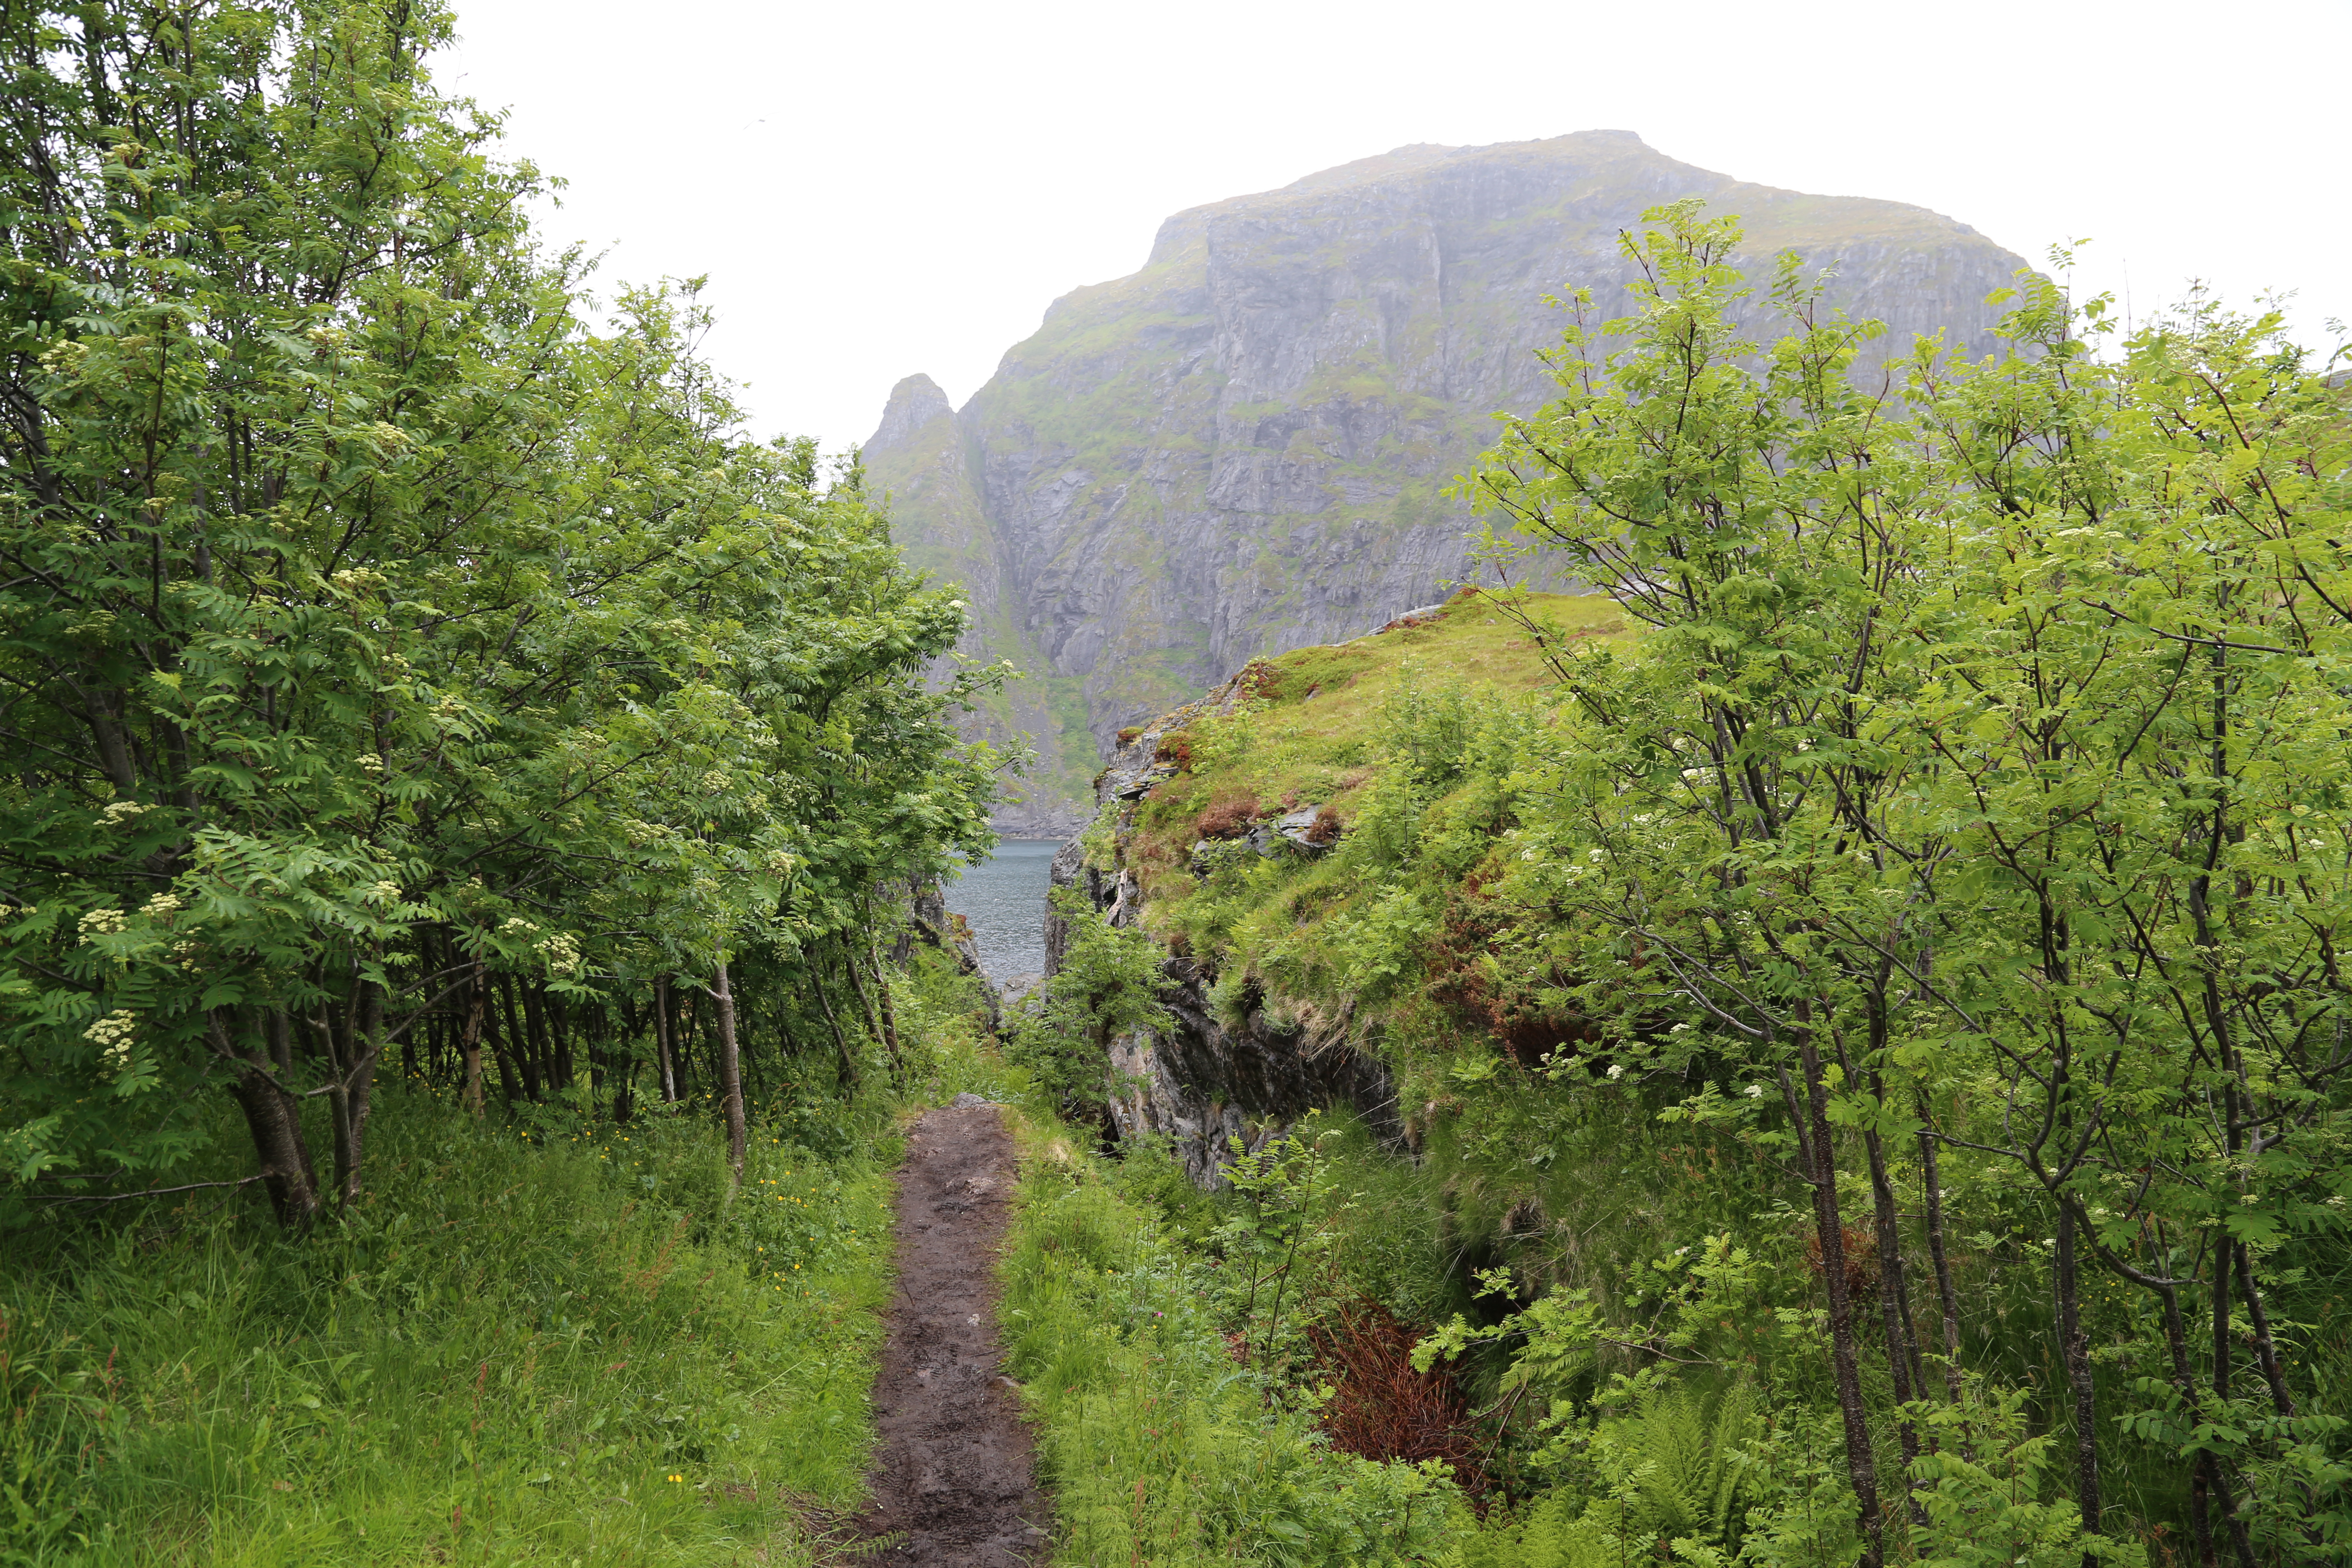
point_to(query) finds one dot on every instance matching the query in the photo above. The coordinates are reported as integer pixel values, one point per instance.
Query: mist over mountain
(1243, 447)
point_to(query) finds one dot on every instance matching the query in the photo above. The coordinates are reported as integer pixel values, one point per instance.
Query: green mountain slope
(1244, 447)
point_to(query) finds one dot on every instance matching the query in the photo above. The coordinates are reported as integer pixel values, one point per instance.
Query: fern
(1669, 1476)
(1675, 1452)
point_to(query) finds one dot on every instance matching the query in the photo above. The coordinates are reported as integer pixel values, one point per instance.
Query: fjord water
(1002, 899)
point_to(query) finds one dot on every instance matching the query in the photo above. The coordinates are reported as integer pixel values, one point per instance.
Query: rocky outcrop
(930, 922)
(1206, 1079)
(1249, 445)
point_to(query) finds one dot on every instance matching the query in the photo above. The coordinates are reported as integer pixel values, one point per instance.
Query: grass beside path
(575, 1354)
(1158, 1447)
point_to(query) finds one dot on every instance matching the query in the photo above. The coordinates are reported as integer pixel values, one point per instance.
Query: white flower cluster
(122, 811)
(162, 907)
(104, 922)
(1755, 1092)
(385, 892)
(369, 763)
(564, 955)
(357, 579)
(781, 863)
(111, 1035)
(716, 781)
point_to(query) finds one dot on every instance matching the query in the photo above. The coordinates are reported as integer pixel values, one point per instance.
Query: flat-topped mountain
(1244, 447)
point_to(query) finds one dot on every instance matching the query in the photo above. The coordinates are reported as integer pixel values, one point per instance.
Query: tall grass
(515, 1348)
(1159, 1447)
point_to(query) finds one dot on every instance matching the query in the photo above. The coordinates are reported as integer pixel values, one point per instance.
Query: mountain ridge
(1245, 444)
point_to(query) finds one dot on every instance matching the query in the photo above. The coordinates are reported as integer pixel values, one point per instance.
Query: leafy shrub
(1107, 985)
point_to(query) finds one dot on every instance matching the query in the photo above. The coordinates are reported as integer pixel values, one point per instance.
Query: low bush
(1227, 814)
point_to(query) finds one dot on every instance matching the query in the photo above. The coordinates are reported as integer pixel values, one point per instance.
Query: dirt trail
(953, 1475)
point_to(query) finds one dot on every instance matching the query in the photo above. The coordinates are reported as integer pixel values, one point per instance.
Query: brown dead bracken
(1383, 1409)
(952, 1479)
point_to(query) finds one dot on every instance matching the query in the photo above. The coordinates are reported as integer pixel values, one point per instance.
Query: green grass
(506, 1354)
(1314, 739)
(1159, 1447)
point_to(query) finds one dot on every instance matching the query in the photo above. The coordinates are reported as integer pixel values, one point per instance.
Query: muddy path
(952, 1477)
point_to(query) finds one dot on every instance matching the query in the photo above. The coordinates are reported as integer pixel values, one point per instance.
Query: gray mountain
(1245, 448)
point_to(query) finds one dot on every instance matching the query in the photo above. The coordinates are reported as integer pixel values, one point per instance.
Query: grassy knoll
(579, 1353)
(1317, 734)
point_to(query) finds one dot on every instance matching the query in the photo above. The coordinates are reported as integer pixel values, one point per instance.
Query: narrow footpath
(953, 1479)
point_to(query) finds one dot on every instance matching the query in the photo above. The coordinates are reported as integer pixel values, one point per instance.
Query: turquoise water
(1002, 899)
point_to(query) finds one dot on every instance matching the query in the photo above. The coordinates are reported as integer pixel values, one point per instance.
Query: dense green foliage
(382, 641)
(408, 670)
(1936, 905)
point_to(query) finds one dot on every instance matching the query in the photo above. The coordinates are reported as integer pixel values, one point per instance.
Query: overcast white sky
(879, 189)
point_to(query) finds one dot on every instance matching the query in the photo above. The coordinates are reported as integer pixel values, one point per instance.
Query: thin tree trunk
(1895, 1305)
(534, 1020)
(1946, 1297)
(592, 1032)
(558, 1036)
(2265, 1347)
(501, 1035)
(884, 1011)
(1894, 1289)
(690, 1032)
(621, 1055)
(2200, 1514)
(848, 1058)
(274, 1119)
(469, 1041)
(333, 1027)
(730, 1075)
(1861, 1461)
(2075, 1348)
(2224, 1353)
(516, 1040)
(866, 1014)
(663, 1029)
(360, 1085)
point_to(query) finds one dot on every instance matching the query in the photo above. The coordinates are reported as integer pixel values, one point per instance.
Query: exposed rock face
(930, 920)
(1203, 1080)
(1245, 447)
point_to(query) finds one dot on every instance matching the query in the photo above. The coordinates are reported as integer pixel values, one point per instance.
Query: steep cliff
(1244, 447)
(1226, 793)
